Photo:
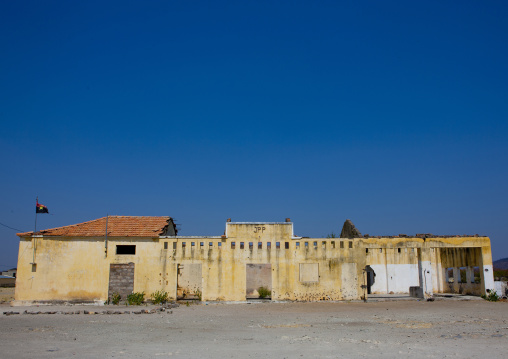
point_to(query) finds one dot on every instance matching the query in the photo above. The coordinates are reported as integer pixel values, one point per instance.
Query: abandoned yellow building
(88, 262)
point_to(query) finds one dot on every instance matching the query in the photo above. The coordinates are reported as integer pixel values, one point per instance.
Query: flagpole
(36, 203)
(35, 230)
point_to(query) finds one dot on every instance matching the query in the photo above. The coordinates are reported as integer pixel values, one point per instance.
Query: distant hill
(501, 264)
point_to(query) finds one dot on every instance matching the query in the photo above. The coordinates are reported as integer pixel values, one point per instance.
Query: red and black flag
(40, 208)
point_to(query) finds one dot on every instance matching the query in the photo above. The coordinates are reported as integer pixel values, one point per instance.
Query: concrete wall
(9, 273)
(395, 271)
(301, 268)
(7, 282)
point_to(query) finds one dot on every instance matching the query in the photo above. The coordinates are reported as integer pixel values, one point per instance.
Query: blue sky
(392, 114)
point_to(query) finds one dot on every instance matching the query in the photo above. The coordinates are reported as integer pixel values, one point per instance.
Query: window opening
(125, 250)
(475, 276)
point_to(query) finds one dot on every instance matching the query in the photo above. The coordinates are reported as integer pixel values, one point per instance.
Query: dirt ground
(419, 329)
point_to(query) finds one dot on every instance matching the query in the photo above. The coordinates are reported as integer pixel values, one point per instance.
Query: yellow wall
(77, 268)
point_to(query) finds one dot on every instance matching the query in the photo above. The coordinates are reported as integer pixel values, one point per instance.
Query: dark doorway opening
(371, 278)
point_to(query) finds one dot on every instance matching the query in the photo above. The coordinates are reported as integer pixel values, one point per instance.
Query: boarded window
(309, 272)
(286, 245)
(125, 250)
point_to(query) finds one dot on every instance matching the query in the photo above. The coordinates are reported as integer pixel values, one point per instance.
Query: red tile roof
(118, 226)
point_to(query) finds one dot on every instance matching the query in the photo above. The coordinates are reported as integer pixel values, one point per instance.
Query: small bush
(136, 298)
(198, 294)
(491, 296)
(264, 292)
(159, 297)
(116, 298)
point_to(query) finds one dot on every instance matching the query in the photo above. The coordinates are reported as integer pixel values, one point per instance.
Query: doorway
(258, 281)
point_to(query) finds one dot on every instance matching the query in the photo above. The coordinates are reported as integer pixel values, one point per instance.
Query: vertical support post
(34, 240)
(425, 272)
(456, 279)
(469, 272)
(486, 269)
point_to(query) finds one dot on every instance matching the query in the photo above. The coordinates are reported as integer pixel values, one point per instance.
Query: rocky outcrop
(349, 230)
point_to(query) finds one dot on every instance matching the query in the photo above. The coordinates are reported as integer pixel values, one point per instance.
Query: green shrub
(136, 298)
(491, 296)
(159, 297)
(116, 298)
(264, 292)
(198, 294)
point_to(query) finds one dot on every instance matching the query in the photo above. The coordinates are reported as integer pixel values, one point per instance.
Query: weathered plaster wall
(301, 268)
(77, 268)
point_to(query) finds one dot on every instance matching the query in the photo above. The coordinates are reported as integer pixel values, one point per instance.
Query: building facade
(90, 261)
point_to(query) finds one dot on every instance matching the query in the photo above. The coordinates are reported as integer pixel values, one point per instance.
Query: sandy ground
(419, 329)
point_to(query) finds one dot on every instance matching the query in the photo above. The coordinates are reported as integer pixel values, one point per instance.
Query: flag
(40, 208)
